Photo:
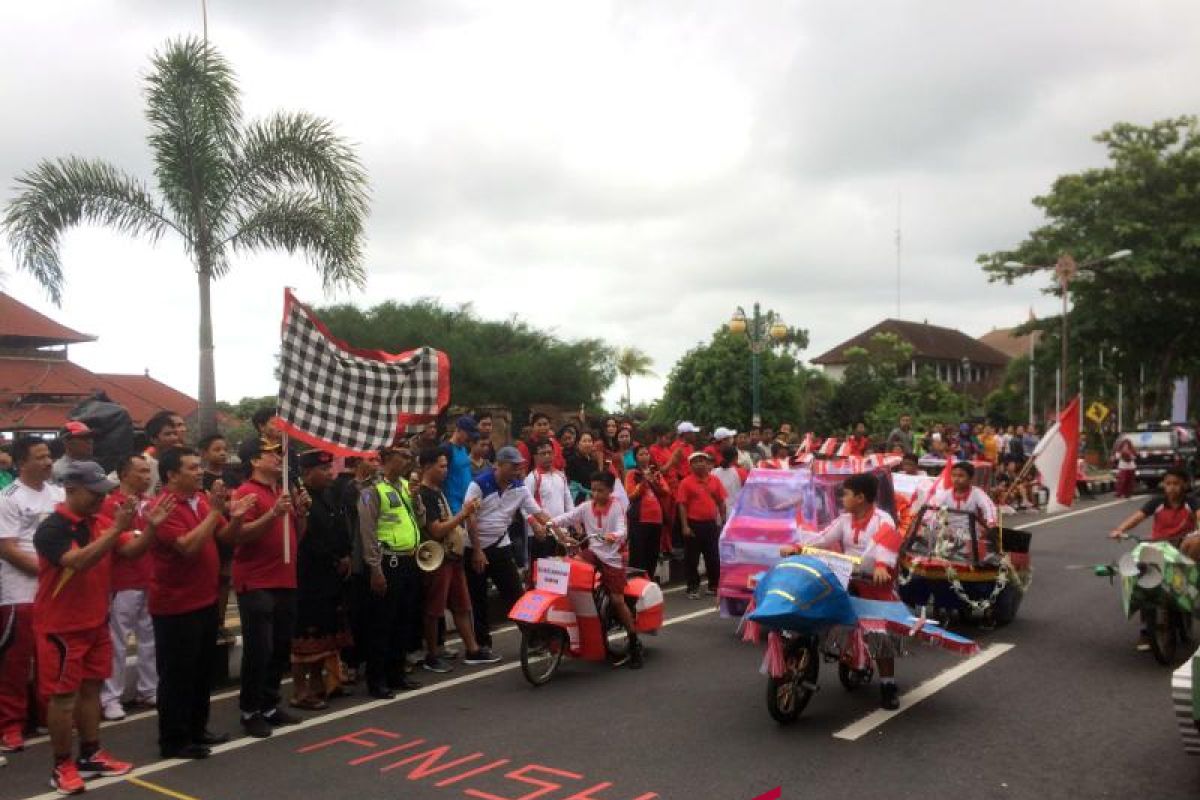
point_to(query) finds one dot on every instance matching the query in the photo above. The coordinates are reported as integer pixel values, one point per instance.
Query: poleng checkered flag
(348, 400)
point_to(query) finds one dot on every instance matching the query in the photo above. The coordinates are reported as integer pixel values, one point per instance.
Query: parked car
(1159, 447)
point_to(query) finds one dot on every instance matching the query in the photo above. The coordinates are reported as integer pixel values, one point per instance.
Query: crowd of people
(321, 555)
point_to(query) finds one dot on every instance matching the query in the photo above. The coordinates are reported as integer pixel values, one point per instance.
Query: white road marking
(1057, 517)
(312, 722)
(857, 730)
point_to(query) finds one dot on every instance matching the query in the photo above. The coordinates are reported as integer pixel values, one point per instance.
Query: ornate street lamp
(763, 331)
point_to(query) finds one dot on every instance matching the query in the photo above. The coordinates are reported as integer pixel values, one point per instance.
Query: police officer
(387, 525)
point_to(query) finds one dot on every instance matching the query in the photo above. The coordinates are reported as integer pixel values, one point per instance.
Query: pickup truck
(1160, 449)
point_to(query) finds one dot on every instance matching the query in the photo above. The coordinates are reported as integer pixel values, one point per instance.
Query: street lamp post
(762, 331)
(1065, 271)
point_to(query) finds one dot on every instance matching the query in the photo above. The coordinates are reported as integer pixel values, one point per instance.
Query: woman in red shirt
(646, 488)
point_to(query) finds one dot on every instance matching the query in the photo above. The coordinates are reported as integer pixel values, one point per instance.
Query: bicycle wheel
(542, 650)
(616, 641)
(1161, 625)
(788, 695)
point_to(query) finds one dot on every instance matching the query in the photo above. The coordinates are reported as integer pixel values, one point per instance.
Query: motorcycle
(568, 612)
(804, 604)
(1162, 586)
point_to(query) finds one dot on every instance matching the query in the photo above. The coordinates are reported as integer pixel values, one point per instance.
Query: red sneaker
(65, 779)
(101, 765)
(12, 741)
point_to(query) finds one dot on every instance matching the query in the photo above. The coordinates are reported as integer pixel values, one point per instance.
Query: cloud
(625, 170)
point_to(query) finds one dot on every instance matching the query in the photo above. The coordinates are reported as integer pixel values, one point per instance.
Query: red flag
(1057, 458)
(845, 451)
(828, 448)
(807, 444)
(944, 481)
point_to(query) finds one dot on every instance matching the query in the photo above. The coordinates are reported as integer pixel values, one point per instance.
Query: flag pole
(287, 518)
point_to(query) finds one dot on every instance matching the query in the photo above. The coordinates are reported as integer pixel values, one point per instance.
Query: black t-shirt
(56, 534)
(228, 475)
(433, 500)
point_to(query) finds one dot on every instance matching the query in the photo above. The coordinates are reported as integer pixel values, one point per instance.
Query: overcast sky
(626, 170)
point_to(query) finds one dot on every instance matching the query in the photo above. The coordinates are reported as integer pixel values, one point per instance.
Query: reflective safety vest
(396, 528)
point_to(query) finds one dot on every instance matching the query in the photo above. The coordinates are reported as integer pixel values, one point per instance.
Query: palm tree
(224, 188)
(632, 362)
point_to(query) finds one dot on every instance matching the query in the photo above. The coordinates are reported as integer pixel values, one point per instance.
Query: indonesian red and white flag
(944, 481)
(806, 444)
(1057, 460)
(844, 450)
(828, 447)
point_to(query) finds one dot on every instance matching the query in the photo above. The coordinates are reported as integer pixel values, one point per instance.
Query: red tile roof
(1012, 345)
(20, 325)
(928, 341)
(146, 395)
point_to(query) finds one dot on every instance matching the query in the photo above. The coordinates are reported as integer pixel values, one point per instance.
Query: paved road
(1069, 711)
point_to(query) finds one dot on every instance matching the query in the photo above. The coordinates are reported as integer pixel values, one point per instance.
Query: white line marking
(1057, 517)
(105, 725)
(857, 730)
(312, 722)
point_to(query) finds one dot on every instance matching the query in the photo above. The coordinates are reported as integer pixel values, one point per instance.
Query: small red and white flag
(1056, 458)
(806, 444)
(828, 447)
(944, 481)
(845, 451)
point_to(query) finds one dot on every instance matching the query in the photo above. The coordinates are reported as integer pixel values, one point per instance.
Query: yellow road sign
(1097, 412)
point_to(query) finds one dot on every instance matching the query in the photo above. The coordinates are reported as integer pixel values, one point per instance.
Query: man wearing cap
(458, 456)
(23, 505)
(264, 578)
(323, 565)
(501, 493)
(74, 546)
(78, 444)
(722, 437)
(701, 499)
(681, 450)
(388, 528)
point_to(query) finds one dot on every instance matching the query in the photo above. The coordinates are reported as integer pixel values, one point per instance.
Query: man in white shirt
(489, 556)
(551, 490)
(602, 521)
(729, 477)
(23, 505)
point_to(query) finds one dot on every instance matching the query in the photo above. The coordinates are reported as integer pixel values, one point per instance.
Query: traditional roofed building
(955, 358)
(39, 385)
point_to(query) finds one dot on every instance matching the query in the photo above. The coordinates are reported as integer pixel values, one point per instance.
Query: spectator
(366, 470)
(264, 578)
(551, 490)
(23, 504)
(486, 428)
(745, 458)
(647, 490)
(458, 455)
(681, 452)
(446, 587)
(583, 462)
(721, 437)
(130, 614)
(901, 437)
(74, 652)
(501, 493)
(729, 477)
(6, 466)
(622, 459)
(608, 438)
(214, 458)
(481, 456)
(858, 441)
(701, 499)
(183, 601)
(266, 426)
(1126, 468)
(1016, 446)
(78, 442)
(387, 525)
(322, 566)
(766, 439)
(163, 431)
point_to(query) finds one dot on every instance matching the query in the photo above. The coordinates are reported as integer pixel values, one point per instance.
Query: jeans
(501, 570)
(703, 541)
(268, 622)
(187, 647)
(394, 621)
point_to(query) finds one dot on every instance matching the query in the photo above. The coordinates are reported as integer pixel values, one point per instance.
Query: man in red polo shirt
(540, 432)
(183, 601)
(701, 499)
(70, 618)
(264, 578)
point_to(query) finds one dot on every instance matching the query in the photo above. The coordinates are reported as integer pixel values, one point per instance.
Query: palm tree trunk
(628, 398)
(208, 379)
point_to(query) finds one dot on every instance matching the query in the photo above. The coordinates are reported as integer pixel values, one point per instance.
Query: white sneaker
(114, 711)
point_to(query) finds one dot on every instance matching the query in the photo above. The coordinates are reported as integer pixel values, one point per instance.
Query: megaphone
(430, 556)
(1151, 562)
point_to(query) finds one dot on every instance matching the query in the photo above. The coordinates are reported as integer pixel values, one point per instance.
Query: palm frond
(301, 151)
(56, 195)
(304, 222)
(630, 361)
(194, 109)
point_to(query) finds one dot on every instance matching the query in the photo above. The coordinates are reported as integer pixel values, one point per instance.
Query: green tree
(1147, 199)
(630, 362)
(505, 362)
(224, 188)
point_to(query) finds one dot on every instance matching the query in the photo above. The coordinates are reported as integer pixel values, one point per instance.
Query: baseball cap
(509, 455)
(89, 475)
(76, 429)
(697, 454)
(315, 458)
(724, 433)
(467, 423)
(686, 427)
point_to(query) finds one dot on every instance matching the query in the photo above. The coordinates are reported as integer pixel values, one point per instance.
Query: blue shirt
(458, 476)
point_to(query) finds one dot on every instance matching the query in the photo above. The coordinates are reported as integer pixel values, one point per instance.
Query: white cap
(686, 427)
(723, 433)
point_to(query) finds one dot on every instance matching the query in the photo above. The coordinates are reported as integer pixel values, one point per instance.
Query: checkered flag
(348, 400)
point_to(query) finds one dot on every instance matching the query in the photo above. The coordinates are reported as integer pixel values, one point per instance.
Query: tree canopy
(505, 363)
(1140, 310)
